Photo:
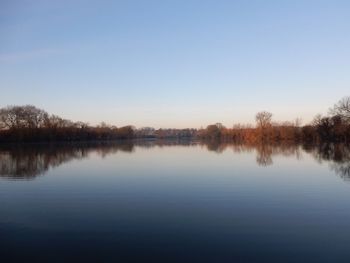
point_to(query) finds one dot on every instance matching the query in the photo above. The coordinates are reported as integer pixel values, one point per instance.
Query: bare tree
(34, 117)
(263, 119)
(317, 120)
(263, 123)
(8, 117)
(342, 108)
(26, 116)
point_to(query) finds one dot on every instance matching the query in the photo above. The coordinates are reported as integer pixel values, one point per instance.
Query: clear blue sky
(175, 63)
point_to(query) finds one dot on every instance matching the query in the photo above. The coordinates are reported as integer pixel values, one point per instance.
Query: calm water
(174, 202)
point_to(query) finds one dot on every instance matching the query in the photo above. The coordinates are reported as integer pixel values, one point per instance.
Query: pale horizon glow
(175, 64)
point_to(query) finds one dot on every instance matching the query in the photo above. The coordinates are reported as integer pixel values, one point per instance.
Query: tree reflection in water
(264, 152)
(31, 160)
(337, 155)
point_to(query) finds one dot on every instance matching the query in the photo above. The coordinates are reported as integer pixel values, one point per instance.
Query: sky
(180, 63)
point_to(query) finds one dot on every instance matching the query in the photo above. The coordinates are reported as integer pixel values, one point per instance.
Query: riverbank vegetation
(30, 124)
(335, 127)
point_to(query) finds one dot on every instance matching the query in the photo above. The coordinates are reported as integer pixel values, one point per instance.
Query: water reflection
(264, 152)
(29, 161)
(338, 156)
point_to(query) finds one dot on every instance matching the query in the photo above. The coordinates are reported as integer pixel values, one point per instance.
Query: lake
(174, 201)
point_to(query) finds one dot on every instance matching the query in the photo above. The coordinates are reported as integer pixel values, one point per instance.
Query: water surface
(174, 201)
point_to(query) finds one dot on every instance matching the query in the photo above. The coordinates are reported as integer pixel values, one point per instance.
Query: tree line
(335, 127)
(28, 123)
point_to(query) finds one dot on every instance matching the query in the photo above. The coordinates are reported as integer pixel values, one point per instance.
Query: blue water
(174, 202)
